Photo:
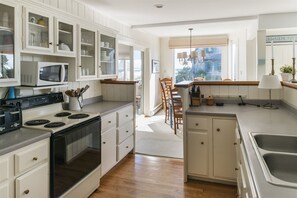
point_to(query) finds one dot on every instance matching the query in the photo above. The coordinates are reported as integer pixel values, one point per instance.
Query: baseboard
(155, 110)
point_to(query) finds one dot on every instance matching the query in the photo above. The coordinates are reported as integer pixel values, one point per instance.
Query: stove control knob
(16, 124)
(2, 128)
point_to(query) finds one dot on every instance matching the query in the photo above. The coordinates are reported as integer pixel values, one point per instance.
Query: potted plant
(286, 72)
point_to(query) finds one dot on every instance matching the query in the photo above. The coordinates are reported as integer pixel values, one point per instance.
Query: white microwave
(43, 73)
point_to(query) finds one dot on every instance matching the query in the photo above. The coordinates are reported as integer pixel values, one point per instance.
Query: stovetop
(48, 111)
(58, 121)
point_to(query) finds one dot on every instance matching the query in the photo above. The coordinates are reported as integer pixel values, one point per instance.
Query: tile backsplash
(248, 92)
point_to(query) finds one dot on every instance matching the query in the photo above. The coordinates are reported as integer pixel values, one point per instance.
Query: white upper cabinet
(9, 51)
(65, 37)
(107, 63)
(87, 51)
(38, 31)
(46, 34)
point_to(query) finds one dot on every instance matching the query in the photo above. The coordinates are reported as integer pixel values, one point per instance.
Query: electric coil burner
(78, 116)
(37, 122)
(54, 124)
(63, 114)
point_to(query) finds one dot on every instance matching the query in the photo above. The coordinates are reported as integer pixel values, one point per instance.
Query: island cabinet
(245, 184)
(210, 148)
(25, 172)
(117, 136)
(223, 148)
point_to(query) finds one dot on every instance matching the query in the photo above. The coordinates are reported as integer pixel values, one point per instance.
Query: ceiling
(207, 17)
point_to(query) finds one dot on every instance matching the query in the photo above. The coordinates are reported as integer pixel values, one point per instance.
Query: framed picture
(155, 66)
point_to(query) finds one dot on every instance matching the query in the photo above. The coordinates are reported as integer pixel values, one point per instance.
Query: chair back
(164, 94)
(167, 81)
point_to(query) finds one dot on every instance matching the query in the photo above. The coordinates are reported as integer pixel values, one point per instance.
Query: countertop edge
(24, 143)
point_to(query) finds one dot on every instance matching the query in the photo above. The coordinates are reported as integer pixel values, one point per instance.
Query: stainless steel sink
(282, 166)
(279, 143)
(277, 155)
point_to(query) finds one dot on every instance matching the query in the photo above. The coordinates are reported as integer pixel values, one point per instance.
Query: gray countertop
(105, 107)
(257, 119)
(19, 138)
(22, 137)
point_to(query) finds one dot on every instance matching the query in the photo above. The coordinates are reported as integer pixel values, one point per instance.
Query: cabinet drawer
(34, 183)
(125, 131)
(124, 115)
(200, 123)
(4, 190)
(108, 121)
(31, 155)
(125, 147)
(4, 164)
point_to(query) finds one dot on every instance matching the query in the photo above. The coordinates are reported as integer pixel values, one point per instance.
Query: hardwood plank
(147, 176)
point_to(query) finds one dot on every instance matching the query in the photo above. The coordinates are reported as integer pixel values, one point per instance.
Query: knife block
(195, 101)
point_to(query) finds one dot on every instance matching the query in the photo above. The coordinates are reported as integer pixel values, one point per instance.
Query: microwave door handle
(63, 74)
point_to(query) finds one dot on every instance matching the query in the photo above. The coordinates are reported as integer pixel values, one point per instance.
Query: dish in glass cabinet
(64, 47)
(33, 20)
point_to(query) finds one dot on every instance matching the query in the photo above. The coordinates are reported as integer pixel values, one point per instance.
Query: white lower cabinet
(31, 183)
(117, 137)
(125, 147)
(198, 150)
(25, 171)
(210, 147)
(108, 151)
(245, 184)
(224, 156)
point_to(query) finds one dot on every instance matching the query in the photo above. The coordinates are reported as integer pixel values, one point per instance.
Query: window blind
(198, 42)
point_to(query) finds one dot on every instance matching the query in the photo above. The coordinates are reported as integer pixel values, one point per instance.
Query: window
(209, 68)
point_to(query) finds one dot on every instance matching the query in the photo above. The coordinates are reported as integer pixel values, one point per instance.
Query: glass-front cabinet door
(38, 31)
(9, 55)
(65, 38)
(87, 54)
(107, 56)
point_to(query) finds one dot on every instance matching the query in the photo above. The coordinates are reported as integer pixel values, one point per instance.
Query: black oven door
(75, 152)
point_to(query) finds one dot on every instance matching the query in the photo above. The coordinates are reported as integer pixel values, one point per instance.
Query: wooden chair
(165, 103)
(169, 82)
(176, 108)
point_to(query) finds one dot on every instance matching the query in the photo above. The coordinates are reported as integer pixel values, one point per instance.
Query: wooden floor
(152, 177)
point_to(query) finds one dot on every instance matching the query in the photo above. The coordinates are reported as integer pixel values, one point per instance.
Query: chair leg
(175, 125)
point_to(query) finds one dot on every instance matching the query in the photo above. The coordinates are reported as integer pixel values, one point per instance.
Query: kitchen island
(249, 119)
(256, 119)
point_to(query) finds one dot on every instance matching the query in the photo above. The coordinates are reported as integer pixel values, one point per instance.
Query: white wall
(239, 38)
(251, 59)
(280, 20)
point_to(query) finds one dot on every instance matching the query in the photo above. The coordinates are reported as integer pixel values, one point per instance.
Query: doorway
(138, 76)
(130, 67)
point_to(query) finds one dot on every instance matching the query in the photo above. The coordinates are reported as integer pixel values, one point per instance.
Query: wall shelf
(22, 91)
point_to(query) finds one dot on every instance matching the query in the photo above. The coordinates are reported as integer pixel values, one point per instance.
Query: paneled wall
(118, 92)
